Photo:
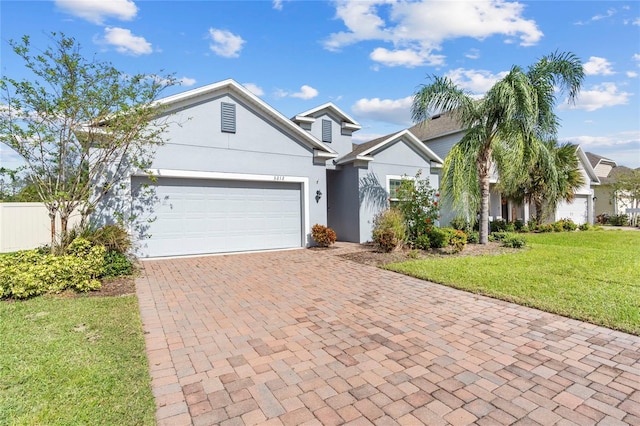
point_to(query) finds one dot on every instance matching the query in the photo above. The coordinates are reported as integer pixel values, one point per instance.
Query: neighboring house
(236, 175)
(442, 132)
(607, 201)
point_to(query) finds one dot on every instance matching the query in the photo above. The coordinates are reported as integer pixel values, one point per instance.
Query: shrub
(419, 204)
(569, 225)
(532, 224)
(499, 236)
(544, 228)
(422, 242)
(473, 237)
(584, 227)
(557, 226)
(116, 264)
(112, 237)
(520, 226)
(389, 229)
(513, 241)
(30, 272)
(441, 237)
(458, 240)
(618, 220)
(322, 235)
(499, 225)
(385, 239)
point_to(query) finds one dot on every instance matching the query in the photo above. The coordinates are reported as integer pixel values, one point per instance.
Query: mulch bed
(368, 255)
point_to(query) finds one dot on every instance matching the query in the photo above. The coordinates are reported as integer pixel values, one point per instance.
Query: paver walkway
(303, 337)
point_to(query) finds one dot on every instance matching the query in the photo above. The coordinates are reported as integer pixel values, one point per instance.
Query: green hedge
(30, 273)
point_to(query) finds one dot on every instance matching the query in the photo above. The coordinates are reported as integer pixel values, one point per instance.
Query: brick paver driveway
(304, 337)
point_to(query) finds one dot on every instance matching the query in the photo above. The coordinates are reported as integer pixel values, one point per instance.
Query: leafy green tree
(505, 129)
(546, 184)
(78, 123)
(627, 189)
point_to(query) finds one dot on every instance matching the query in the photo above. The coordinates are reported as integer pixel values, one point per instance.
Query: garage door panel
(197, 216)
(576, 210)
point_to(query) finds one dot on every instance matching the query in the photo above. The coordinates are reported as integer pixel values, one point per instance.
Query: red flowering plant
(418, 201)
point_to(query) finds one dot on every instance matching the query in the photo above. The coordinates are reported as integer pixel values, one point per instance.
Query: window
(228, 117)
(326, 131)
(393, 185)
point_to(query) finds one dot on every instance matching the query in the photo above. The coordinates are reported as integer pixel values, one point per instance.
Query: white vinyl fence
(26, 226)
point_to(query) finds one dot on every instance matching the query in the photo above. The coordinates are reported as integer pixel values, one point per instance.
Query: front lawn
(590, 276)
(73, 361)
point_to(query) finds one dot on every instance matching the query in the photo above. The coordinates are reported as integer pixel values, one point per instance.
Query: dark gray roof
(436, 126)
(594, 159)
(361, 147)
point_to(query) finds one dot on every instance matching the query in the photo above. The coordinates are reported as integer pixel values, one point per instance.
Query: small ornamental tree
(78, 124)
(418, 202)
(627, 191)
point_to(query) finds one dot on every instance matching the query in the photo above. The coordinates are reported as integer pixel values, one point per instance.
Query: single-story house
(236, 175)
(442, 132)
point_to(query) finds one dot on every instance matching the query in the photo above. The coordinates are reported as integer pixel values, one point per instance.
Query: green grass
(590, 276)
(73, 361)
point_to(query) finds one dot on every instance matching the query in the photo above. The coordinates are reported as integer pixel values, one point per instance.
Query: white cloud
(472, 54)
(394, 111)
(277, 4)
(600, 96)
(636, 22)
(405, 57)
(186, 81)
(598, 66)
(224, 43)
(632, 74)
(254, 88)
(636, 57)
(609, 14)
(475, 81)
(595, 18)
(306, 92)
(97, 11)
(125, 42)
(417, 29)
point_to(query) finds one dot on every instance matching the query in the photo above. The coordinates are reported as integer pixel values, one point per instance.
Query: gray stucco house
(237, 175)
(442, 132)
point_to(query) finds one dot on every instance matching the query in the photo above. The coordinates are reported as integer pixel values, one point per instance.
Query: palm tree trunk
(483, 165)
(539, 217)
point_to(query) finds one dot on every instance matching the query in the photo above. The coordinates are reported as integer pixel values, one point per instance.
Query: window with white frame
(393, 185)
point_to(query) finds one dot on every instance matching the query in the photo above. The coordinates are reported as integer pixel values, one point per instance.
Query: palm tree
(546, 184)
(504, 129)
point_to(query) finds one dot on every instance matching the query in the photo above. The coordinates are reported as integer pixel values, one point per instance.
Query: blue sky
(368, 57)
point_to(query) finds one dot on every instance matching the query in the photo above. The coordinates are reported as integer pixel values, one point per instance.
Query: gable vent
(326, 131)
(228, 117)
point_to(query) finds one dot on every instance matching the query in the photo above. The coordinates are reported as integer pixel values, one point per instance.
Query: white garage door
(198, 216)
(576, 210)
